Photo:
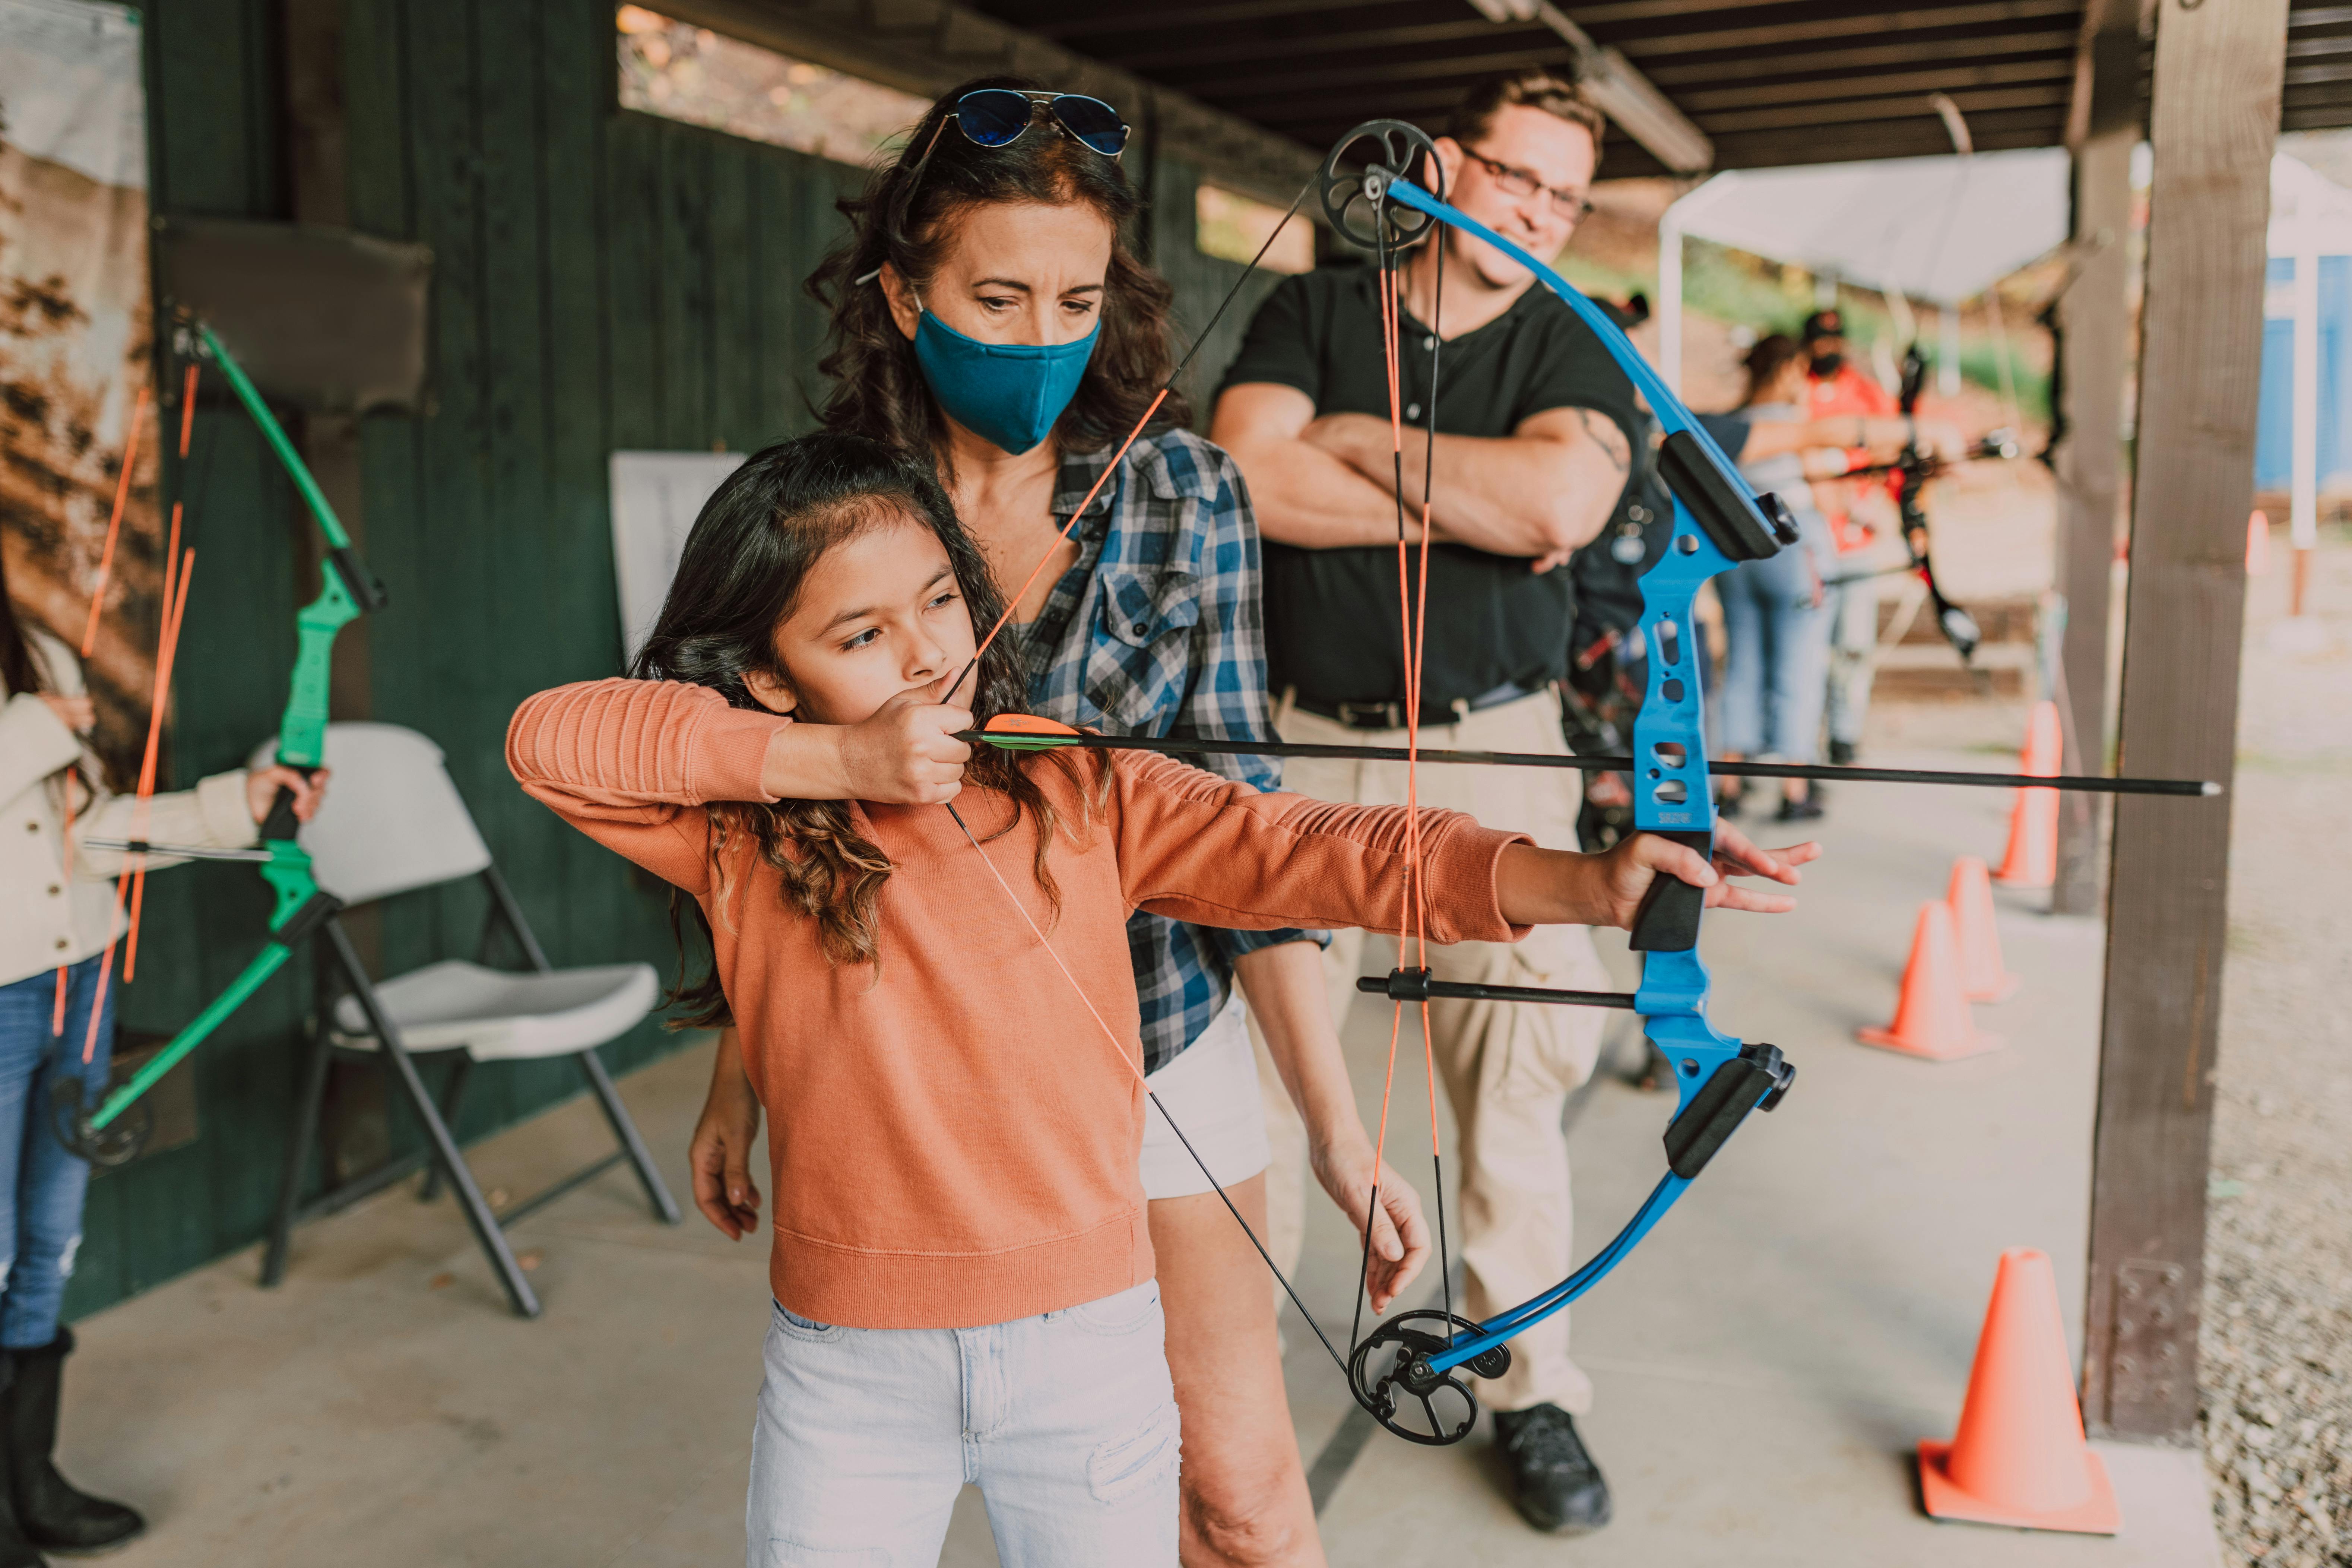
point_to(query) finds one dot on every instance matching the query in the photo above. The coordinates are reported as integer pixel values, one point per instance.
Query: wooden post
(2092, 325)
(2213, 121)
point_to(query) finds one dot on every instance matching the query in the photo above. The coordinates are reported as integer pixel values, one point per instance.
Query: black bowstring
(1199, 341)
(1207, 1175)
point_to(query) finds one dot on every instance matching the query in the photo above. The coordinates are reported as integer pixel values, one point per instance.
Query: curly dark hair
(905, 218)
(751, 551)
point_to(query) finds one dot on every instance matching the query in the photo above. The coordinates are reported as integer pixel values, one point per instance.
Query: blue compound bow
(1411, 1363)
(1406, 1373)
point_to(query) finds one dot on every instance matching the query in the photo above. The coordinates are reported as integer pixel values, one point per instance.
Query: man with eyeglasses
(1538, 432)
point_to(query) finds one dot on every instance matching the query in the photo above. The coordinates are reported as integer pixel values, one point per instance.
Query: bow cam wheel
(1391, 1377)
(1355, 179)
(118, 1142)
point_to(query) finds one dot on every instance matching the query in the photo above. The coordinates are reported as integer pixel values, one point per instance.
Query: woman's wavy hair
(906, 217)
(740, 578)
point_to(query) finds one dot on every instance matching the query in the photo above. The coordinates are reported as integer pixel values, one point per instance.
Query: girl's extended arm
(1200, 849)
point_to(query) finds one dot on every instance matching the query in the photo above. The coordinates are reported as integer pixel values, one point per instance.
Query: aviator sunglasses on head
(1000, 116)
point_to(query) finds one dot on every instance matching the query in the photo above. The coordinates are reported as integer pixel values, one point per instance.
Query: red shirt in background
(1850, 391)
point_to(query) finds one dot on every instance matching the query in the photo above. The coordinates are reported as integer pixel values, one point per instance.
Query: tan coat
(46, 917)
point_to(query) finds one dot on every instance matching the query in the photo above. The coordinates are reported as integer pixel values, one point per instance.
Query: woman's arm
(1285, 987)
(34, 742)
(223, 811)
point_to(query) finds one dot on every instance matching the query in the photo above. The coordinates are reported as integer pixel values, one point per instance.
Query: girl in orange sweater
(941, 1021)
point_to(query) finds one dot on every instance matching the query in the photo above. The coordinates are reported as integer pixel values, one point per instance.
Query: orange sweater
(953, 1140)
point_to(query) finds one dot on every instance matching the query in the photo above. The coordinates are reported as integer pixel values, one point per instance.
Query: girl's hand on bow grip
(1548, 887)
(1641, 859)
(907, 753)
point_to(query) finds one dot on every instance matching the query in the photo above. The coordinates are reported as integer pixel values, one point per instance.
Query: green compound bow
(348, 590)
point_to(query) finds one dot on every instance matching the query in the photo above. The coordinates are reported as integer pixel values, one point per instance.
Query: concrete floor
(1764, 1364)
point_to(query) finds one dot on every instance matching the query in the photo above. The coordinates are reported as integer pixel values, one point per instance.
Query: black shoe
(1554, 1481)
(1841, 753)
(49, 1510)
(1806, 810)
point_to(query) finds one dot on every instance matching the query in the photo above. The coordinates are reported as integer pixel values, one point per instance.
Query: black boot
(49, 1510)
(1554, 1481)
(16, 1552)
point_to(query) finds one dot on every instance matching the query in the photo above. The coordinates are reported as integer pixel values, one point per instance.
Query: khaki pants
(1507, 1066)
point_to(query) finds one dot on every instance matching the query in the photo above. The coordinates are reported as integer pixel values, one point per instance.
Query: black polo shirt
(1332, 625)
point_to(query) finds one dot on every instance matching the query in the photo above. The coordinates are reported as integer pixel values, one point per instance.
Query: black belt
(1390, 715)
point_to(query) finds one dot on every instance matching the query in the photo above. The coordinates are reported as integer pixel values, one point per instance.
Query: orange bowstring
(167, 645)
(166, 656)
(135, 864)
(114, 523)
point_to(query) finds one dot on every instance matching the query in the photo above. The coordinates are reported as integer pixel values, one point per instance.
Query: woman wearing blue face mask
(986, 312)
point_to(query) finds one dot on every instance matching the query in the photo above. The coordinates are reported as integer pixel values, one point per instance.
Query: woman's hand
(78, 715)
(1400, 1233)
(907, 753)
(720, 1154)
(262, 785)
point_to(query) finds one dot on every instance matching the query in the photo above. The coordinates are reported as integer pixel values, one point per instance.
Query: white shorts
(1210, 1091)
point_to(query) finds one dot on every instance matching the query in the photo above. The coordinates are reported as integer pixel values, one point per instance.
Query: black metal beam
(1098, 21)
(1976, 20)
(2059, 68)
(1233, 46)
(1970, 101)
(1863, 58)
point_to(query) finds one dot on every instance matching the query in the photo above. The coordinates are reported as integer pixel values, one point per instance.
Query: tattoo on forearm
(1611, 440)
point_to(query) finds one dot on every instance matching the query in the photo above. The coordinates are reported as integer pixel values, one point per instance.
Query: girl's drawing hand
(907, 753)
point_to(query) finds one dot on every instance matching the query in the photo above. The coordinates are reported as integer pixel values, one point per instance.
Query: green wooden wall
(602, 280)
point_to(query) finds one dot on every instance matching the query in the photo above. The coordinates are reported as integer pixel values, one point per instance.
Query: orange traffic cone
(1932, 1020)
(1983, 977)
(2019, 1458)
(2031, 860)
(2258, 545)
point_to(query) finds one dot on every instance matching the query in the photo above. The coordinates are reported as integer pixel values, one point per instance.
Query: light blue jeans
(1854, 653)
(1777, 662)
(41, 1185)
(1066, 1422)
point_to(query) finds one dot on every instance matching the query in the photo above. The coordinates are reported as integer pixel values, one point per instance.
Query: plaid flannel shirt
(1155, 630)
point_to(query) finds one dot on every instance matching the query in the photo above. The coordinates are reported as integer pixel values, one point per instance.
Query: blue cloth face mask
(1010, 393)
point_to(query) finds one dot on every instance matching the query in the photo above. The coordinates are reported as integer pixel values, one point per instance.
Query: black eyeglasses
(1573, 206)
(999, 116)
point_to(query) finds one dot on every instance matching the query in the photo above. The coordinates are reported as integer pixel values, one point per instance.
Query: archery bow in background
(1410, 1362)
(1911, 472)
(347, 591)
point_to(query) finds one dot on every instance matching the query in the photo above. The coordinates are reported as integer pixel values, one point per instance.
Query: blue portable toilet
(2311, 227)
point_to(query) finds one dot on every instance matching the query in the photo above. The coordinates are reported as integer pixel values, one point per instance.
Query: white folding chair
(391, 823)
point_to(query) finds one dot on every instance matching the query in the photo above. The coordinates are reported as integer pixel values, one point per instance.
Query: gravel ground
(2276, 1345)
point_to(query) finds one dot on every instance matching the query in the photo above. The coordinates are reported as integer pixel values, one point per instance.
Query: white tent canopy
(1940, 229)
